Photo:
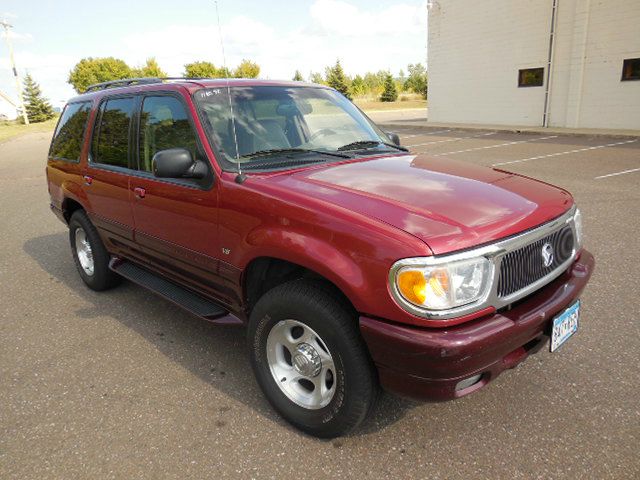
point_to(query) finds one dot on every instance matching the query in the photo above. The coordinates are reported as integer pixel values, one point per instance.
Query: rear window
(67, 139)
(110, 144)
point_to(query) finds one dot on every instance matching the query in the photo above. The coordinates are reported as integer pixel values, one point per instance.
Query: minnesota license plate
(565, 325)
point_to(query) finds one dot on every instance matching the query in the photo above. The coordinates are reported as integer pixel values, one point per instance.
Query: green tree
(390, 93)
(402, 78)
(37, 107)
(151, 69)
(204, 70)
(337, 79)
(297, 77)
(417, 79)
(358, 86)
(316, 77)
(247, 69)
(375, 81)
(96, 70)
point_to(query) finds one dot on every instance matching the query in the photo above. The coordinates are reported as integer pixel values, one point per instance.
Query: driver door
(176, 220)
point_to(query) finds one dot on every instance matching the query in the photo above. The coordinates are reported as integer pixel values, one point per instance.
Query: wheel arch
(69, 207)
(73, 198)
(264, 273)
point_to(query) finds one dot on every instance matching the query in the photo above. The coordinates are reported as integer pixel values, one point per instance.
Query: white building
(558, 63)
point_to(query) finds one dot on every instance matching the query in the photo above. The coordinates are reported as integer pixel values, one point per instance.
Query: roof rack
(125, 82)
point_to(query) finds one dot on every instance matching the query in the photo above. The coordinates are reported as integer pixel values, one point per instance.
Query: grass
(405, 101)
(12, 129)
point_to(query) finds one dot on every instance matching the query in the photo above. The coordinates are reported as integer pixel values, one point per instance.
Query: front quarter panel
(261, 219)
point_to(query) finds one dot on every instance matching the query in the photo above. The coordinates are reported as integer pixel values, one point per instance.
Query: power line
(6, 27)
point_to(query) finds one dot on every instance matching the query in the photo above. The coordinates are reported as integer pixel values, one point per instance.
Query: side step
(181, 296)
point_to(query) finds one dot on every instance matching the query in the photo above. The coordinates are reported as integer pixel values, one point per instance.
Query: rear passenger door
(176, 220)
(108, 169)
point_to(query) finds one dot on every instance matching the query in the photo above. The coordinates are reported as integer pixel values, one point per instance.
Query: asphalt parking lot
(123, 384)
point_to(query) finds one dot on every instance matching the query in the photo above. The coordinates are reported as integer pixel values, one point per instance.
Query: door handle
(139, 192)
(87, 179)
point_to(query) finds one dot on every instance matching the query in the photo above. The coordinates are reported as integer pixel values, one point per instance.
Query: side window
(164, 124)
(111, 133)
(67, 139)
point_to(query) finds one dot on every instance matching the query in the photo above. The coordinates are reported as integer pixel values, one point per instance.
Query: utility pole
(6, 27)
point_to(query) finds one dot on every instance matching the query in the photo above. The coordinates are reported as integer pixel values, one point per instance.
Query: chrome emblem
(306, 360)
(547, 254)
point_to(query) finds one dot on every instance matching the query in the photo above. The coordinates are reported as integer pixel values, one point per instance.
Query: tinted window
(274, 117)
(67, 140)
(164, 124)
(111, 135)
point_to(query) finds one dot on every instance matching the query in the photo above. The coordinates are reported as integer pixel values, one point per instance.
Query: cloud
(243, 37)
(50, 71)
(389, 38)
(345, 19)
(364, 39)
(16, 36)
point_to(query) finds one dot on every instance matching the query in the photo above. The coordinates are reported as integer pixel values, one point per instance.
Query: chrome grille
(524, 266)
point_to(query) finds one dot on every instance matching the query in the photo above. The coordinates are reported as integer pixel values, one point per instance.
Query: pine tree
(337, 79)
(316, 77)
(390, 93)
(358, 86)
(297, 77)
(38, 108)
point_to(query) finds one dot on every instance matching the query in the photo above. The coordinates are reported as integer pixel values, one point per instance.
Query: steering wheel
(323, 132)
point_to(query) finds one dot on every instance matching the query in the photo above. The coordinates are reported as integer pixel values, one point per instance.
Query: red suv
(352, 262)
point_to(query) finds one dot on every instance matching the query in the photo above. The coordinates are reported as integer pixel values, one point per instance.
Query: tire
(336, 384)
(89, 251)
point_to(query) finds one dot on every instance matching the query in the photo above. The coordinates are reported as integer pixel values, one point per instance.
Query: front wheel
(309, 359)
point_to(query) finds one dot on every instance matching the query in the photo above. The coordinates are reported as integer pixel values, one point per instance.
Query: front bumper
(428, 364)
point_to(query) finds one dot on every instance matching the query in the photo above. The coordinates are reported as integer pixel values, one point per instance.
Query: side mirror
(393, 137)
(177, 163)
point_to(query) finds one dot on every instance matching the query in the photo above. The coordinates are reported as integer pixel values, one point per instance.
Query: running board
(190, 301)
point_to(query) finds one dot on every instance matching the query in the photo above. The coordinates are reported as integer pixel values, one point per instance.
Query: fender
(72, 190)
(317, 255)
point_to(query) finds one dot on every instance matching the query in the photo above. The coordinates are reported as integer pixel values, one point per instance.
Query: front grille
(524, 266)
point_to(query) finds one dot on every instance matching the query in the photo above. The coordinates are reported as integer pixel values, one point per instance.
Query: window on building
(111, 133)
(631, 69)
(67, 140)
(531, 77)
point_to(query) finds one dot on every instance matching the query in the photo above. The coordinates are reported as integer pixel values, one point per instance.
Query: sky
(50, 37)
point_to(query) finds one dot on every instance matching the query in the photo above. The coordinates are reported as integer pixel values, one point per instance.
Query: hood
(450, 205)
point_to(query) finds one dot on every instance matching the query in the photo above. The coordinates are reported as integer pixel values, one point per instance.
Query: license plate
(565, 325)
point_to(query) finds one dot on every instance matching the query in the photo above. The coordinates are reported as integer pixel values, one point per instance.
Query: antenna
(240, 177)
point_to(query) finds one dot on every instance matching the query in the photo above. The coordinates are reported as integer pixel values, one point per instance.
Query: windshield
(277, 126)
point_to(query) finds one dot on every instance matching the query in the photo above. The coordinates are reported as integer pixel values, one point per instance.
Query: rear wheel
(309, 359)
(89, 253)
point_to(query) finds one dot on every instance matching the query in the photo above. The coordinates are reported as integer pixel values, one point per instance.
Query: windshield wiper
(364, 144)
(276, 151)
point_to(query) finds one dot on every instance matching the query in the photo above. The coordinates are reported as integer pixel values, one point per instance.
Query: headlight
(442, 286)
(577, 221)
